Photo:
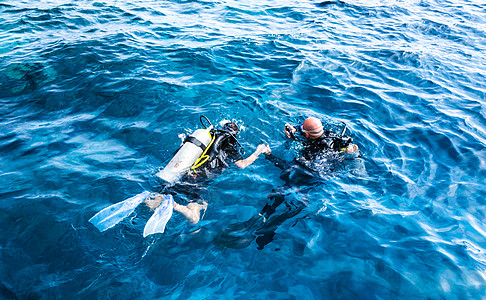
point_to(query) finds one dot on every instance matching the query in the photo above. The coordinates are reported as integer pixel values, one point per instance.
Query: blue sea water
(94, 96)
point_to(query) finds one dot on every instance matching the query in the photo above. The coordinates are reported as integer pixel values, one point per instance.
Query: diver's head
(312, 128)
(231, 127)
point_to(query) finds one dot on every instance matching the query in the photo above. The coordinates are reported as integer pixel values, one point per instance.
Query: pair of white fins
(113, 214)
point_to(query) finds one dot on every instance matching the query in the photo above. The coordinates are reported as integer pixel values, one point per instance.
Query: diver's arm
(277, 161)
(243, 163)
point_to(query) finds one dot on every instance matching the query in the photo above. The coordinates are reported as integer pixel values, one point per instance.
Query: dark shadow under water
(284, 202)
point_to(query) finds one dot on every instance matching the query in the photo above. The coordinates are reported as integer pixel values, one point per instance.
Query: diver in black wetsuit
(317, 141)
(297, 177)
(222, 151)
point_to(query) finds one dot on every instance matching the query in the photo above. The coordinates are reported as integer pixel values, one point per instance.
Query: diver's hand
(243, 163)
(265, 149)
(351, 148)
(289, 130)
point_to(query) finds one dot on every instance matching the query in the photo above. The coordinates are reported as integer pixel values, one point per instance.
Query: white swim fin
(113, 214)
(156, 223)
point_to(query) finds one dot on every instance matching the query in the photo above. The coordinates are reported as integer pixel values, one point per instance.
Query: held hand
(351, 148)
(243, 163)
(266, 150)
(289, 130)
(263, 149)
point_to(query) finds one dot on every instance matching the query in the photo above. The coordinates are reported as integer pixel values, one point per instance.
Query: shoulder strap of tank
(216, 151)
(195, 141)
(220, 137)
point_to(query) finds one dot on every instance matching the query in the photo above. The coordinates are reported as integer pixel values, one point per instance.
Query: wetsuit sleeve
(298, 130)
(299, 135)
(236, 156)
(277, 161)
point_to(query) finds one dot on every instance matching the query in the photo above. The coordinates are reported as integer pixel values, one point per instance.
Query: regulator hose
(205, 118)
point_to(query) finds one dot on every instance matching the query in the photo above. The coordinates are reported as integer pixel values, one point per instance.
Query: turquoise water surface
(95, 95)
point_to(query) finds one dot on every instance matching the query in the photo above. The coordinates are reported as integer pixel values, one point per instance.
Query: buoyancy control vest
(224, 144)
(327, 142)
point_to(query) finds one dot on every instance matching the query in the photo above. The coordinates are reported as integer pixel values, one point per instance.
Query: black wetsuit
(327, 142)
(298, 178)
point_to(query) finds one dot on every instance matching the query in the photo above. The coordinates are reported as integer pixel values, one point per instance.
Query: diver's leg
(154, 200)
(277, 197)
(192, 211)
(266, 233)
(262, 226)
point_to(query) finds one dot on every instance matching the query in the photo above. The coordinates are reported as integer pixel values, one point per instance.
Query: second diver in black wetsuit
(319, 141)
(221, 153)
(298, 178)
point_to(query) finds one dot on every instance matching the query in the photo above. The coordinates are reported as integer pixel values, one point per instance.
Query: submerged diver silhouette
(298, 178)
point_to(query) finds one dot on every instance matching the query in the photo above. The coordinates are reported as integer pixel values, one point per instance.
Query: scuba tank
(192, 148)
(199, 148)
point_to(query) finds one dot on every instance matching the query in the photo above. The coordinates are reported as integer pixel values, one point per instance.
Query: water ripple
(95, 94)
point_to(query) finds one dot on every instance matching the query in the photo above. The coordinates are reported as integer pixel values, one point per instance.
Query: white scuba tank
(186, 156)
